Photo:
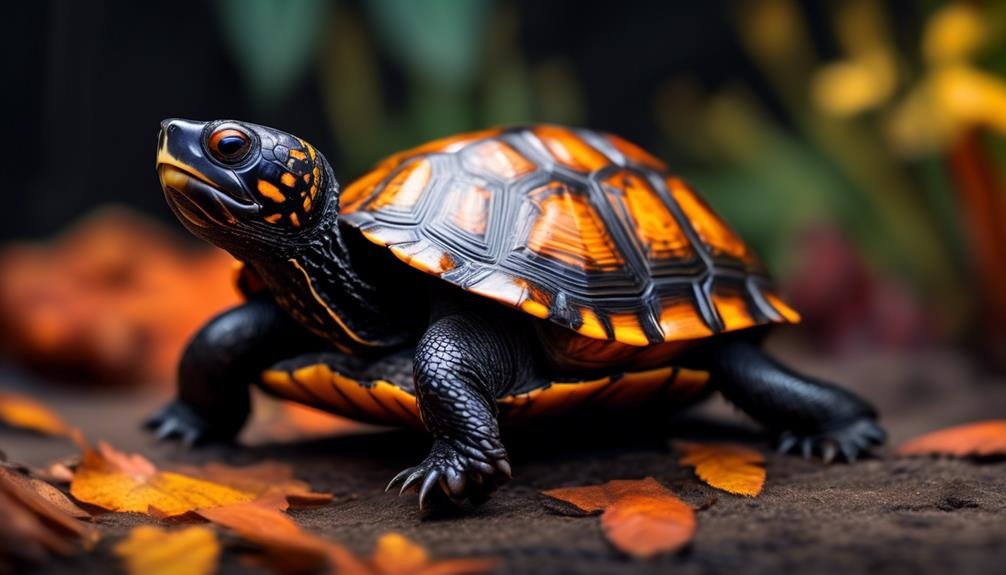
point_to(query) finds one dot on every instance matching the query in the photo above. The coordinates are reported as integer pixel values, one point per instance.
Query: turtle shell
(579, 227)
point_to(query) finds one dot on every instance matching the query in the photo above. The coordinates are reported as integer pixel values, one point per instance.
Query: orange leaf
(260, 478)
(122, 482)
(730, 467)
(982, 439)
(395, 554)
(280, 537)
(151, 550)
(24, 412)
(641, 517)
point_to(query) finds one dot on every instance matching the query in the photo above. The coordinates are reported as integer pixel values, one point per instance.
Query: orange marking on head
(272, 219)
(294, 219)
(569, 149)
(298, 154)
(271, 191)
(307, 178)
(570, 230)
(307, 203)
(288, 179)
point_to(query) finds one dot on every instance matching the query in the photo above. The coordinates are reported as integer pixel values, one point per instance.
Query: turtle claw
(177, 421)
(459, 475)
(848, 442)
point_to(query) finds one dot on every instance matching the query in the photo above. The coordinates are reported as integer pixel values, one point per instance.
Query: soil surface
(884, 514)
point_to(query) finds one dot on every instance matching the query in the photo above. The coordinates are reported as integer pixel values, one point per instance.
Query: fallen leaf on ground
(150, 550)
(727, 466)
(294, 550)
(122, 482)
(395, 554)
(981, 439)
(260, 478)
(37, 519)
(640, 517)
(26, 413)
(45, 491)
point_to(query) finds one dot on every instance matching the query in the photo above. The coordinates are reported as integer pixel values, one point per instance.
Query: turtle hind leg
(810, 416)
(462, 364)
(217, 367)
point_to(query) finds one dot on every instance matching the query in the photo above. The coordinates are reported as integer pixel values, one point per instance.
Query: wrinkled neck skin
(312, 277)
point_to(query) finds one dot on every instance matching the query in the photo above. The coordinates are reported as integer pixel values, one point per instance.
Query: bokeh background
(857, 144)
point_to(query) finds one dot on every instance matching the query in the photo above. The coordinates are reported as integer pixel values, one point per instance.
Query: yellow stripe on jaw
(270, 191)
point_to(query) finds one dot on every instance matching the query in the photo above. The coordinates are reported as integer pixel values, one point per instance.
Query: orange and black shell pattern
(579, 227)
(388, 397)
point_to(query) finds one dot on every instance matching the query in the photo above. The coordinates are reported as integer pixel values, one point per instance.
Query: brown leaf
(26, 413)
(260, 478)
(640, 517)
(24, 537)
(45, 491)
(150, 550)
(727, 466)
(981, 439)
(123, 482)
(294, 550)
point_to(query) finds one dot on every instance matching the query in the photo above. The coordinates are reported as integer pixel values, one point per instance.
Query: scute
(579, 227)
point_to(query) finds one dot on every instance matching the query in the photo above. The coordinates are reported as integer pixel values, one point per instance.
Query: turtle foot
(848, 442)
(460, 470)
(177, 421)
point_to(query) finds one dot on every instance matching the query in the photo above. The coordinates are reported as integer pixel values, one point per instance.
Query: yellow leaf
(983, 439)
(121, 482)
(725, 466)
(641, 517)
(24, 412)
(154, 551)
(260, 478)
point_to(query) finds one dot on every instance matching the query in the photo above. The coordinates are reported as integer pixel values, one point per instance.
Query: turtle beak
(183, 172)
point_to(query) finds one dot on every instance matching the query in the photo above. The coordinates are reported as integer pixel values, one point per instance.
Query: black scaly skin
(218, 364)
(808, 414)
(468, 357)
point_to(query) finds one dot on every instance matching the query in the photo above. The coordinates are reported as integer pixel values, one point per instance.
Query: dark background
(858, 220)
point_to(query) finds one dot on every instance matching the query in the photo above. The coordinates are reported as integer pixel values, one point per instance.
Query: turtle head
(242, 186)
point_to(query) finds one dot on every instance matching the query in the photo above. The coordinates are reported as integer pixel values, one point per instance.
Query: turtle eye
(229, 145)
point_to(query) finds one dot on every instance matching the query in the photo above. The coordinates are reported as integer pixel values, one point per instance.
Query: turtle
(493, 277)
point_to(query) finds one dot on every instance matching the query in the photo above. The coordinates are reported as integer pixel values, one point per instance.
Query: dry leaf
(260, 478)
(24, 537)
(26, 413)
(395, 554)
(121, 482)
(727, 466)
(640, 517)
(294, 550)
(45, 491)
(982, 439)
(150, 550)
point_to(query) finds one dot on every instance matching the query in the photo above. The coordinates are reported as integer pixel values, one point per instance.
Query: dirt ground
(884, 515)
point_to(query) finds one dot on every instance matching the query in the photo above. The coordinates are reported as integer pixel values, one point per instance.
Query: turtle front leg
(217, 367)
(809, 415)
(462, 364)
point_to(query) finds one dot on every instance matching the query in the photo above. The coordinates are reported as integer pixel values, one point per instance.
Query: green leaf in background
(437, 39)
(272, 41)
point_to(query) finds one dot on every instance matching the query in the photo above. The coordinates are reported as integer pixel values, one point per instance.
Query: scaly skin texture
(464, 361)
